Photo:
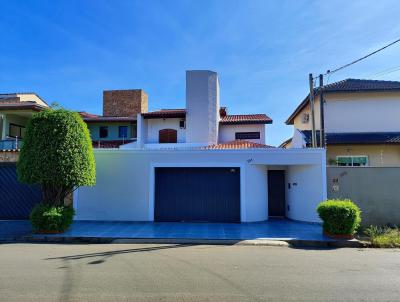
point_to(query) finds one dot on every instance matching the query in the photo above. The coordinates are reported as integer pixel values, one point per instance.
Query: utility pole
(313, 134)
(321, 113)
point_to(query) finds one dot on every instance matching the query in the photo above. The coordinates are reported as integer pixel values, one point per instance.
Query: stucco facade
(227, 132)
(378, 155)
(155, 125)
(354, 112)
(125, 181)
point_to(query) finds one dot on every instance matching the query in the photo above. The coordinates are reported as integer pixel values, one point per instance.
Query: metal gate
(197, 194)
(16, 199)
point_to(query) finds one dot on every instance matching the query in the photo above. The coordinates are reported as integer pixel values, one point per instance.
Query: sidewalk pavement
(276, 232)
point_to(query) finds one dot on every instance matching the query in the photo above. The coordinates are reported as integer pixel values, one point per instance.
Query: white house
(202, 164)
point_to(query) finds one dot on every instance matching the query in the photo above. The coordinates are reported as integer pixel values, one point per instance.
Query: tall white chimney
(202, 107)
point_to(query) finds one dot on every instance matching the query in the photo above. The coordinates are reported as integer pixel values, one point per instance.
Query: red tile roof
(165, 113)
(245, 119)
(84, 114)
(238, 144)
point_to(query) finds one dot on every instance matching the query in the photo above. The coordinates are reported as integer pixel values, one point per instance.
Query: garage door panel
(197, 194)
(16, 199)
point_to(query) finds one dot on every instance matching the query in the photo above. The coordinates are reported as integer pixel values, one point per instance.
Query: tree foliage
(57, 154)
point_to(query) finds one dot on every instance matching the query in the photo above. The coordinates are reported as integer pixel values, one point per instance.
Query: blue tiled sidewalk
(10, 230)
(273, 230)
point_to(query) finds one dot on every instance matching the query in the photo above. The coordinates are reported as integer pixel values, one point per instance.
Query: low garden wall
(376, 190)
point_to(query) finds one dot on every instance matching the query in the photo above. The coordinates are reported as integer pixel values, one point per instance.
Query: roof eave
(282, 145)
(245, 122)
(103, 120)
(177, 115)
(363, 143)
(32, 107)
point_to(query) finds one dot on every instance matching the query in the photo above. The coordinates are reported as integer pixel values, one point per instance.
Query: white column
(141, 131)
(4, 126)
(202, 107)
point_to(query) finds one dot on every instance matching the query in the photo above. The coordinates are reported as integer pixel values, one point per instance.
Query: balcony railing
(11, 144)
(111, 144)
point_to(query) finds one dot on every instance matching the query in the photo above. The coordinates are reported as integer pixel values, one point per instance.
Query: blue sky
(70, 51)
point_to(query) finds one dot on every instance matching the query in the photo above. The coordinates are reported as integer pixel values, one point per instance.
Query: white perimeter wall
(227, 132)
(304, 193)
(125, 181)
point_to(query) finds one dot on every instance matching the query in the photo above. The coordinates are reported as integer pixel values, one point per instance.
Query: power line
(386, 70)
(380, 74)
(362, 58)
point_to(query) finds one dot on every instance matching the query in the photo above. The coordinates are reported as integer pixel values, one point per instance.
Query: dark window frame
(100, 131)
(134, 130)
(247, 135)
(119, 131)
(20, 130)
(182, 124)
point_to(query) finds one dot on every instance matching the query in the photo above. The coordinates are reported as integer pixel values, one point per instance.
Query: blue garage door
(197, 194)
(16, 199)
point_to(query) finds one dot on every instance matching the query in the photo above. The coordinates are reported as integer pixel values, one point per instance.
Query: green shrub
(45, 217)
(384, 236)
(57, 154)
(340, 217)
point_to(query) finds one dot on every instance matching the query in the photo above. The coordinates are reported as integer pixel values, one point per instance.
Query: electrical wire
(380, 74)
(386, 70)
(362, 58)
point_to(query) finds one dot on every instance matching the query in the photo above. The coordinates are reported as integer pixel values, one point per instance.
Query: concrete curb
(253, 242)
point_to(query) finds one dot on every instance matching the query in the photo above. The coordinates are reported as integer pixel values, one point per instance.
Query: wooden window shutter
(167, 136)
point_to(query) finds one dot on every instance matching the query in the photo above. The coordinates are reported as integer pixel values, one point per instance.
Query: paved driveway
(274, 229)
(10, 230)
(277, 229)
(56, 272)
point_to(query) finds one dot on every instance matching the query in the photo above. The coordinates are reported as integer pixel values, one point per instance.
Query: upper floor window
(352, 161)
(305, 118)
(16, 131)
(103, 131)
(247, 135)
(182, 124)
(167, 136)
(123, 131)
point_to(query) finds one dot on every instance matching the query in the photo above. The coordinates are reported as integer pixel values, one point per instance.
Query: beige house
(361, 124)
(15, 111)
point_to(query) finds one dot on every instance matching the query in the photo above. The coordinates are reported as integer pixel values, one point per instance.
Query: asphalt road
(122, 272)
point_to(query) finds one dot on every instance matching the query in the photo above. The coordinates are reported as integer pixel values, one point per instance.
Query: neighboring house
(198, 164)
(117, 126)
(15, 111)
(361, 123)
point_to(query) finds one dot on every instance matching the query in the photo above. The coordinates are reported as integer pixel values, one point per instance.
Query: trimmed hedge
(57, 154)
(340, 217)
(48, 218)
